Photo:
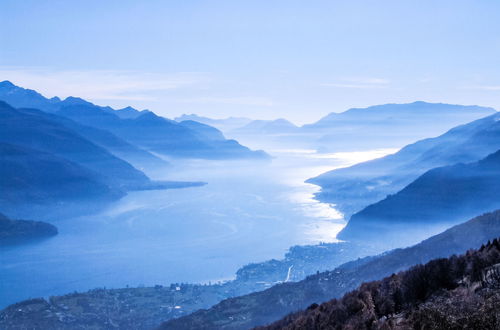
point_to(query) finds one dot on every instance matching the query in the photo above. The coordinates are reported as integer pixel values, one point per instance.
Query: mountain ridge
(32, 129)
(441, 196)
(141, 128)
(354, 187)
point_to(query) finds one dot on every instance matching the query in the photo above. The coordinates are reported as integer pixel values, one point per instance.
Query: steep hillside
(23, 231)
(33, 129)
(203, 130)
(272, 304)
(355, 187)
(456, 293)
(138, 157)
(33, 180)
(441, 196)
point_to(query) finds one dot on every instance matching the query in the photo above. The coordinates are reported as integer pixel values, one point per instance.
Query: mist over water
(248, 212)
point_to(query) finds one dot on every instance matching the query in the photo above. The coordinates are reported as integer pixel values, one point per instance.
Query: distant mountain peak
(147, 115)
(129, 112)
(282, 121)
(402, 120)
(130, 109)
(7, 83)
(72, 100)
(11, 87)
(21, 97)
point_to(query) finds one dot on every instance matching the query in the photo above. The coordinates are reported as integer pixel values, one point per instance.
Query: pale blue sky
(263, 59)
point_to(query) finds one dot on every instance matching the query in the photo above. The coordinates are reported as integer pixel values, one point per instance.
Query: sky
(264, 59)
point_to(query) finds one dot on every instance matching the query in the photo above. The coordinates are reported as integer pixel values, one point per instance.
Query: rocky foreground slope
(456, 293)
(264, 307)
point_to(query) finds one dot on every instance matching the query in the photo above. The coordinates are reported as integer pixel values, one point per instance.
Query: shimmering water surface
(248, 212)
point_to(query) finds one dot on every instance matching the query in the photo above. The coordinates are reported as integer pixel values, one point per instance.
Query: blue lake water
(248, 212)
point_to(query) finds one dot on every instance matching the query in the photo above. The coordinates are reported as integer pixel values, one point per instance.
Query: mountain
(161, 135)
(33, 129)
(440, 197)
(277, 126)
(34, 182)
(141, 128)
(399, 113)
(23, 231)
(120, 148)
(455, 293)
(381, 126)
(352, 188)
(224, 125)
(129, 113)
(203, 131)
(389, 125)
(139, 158)
(26, 98)
(50, 168)
(267, 306)
(279, 134)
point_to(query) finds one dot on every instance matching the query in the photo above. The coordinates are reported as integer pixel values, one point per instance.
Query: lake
(248, 212)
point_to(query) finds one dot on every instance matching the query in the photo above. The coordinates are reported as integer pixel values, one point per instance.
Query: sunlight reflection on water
(353, 157)
(328, 220)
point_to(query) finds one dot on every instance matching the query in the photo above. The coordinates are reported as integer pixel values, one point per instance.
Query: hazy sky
(263, 59)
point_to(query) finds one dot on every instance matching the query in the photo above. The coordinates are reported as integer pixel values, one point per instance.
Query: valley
(238, 219)
(171, 218)
(237, 165)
